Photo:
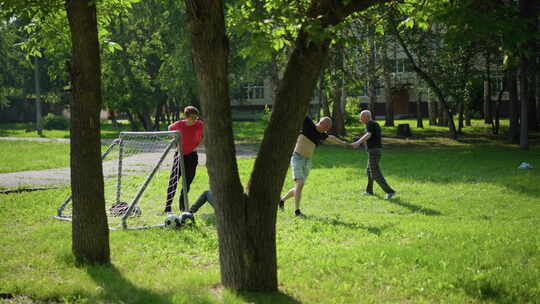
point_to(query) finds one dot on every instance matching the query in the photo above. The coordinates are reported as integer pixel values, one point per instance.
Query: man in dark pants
(372, 138)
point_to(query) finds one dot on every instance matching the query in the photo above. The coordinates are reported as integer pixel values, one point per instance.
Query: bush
(57, 122)
(267, 112)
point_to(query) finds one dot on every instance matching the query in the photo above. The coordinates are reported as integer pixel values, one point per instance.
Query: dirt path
(137, 164)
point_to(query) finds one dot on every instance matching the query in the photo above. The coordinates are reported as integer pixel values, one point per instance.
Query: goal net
(137, 167)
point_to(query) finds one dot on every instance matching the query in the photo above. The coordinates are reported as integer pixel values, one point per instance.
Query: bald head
(365, 116)
(324, 124)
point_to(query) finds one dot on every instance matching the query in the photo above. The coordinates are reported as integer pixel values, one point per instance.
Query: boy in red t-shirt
(191, 130)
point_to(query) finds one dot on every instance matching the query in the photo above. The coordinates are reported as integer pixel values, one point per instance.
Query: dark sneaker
(367, 193)
(298, 213)
(281, 205)
(390, 195)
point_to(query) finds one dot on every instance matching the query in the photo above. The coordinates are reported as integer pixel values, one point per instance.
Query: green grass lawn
(26, 130)
(31, 155)
(462, 229)
(22, 155)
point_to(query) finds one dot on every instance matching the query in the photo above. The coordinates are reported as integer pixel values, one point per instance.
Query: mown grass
(31, 155)
(35, 156)
(462, 229)
(108, 131)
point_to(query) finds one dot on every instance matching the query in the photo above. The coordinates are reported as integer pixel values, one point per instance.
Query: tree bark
(389, 102)
(461, 117)
(39, 120)
(90, 232)
(488, 106)
(419, 120)
(527, 15)
(513, 131)
(322, 95)
(372, 76)
(432, 110)
(338, 109)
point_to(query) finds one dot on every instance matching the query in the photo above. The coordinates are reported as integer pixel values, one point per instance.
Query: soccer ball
(173, 221)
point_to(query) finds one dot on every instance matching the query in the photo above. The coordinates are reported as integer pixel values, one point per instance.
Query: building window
(254, 90)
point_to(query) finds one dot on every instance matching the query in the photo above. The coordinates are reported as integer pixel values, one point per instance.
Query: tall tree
(527, 12)
(246, 221)
(90, 232)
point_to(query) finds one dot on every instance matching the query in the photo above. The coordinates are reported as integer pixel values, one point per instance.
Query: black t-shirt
(375, 140)
(309, 130)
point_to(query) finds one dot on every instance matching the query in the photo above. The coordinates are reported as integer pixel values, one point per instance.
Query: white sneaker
(390, 195)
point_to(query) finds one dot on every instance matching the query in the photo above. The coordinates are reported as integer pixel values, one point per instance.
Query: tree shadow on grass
(267, 297)
(415, 208)
(350, 225)
(489, 291)
(117, 289)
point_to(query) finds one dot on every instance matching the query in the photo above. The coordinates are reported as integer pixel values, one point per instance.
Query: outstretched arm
(335, 140)
(362, 139)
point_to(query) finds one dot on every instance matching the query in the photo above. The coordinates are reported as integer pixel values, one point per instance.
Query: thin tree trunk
(132, 121)
(419, 120)
(488, 107)
(338, 115)
(389, 102)
(322, 96)
(513, 104)
(39, 121)
(431, 83)
(432, 110)
(372, 77)
(467, 109)
(460, 117)
(527, 15)
(90, 232)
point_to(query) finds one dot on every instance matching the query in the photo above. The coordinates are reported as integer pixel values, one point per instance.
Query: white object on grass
(525, 165)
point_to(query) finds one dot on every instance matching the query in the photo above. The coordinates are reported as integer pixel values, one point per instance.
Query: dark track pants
(373, 172)
(206, 196)
(190, 164)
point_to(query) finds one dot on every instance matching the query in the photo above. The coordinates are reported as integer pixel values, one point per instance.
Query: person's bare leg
(298, 186)
(288, 195)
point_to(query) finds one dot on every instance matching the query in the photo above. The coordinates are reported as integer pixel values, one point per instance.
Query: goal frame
(177, 139)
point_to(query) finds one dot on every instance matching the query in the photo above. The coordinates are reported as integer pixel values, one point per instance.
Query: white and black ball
(173, 221)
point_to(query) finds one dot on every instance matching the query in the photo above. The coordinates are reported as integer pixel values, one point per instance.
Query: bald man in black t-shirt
(372, 138)
(310, 137)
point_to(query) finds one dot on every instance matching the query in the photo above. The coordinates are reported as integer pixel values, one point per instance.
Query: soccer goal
(137, 167)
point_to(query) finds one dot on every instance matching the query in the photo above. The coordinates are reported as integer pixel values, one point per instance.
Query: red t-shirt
(191, 135)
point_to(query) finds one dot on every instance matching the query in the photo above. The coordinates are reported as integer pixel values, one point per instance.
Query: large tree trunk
(246, 221)
(90, 232)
